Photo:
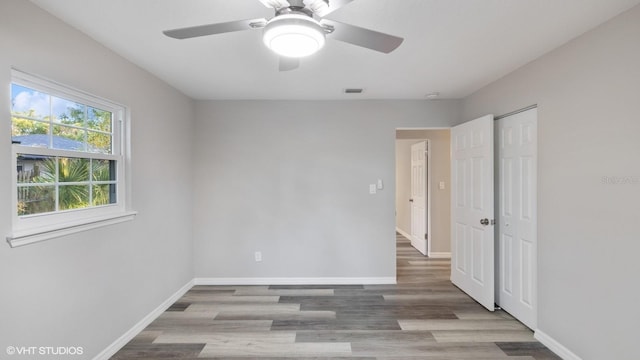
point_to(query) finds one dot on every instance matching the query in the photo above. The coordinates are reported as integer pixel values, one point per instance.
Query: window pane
(30, 132)
(103, 170)
(67, 112)
(73, 196)
(104, 194)
(99, 142)
(36, 199)
(99, 119)
(35, 169)
(68, 138)
(73, 170)
(28, 102)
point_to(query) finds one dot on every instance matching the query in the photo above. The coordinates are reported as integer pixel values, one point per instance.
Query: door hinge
(425, 237)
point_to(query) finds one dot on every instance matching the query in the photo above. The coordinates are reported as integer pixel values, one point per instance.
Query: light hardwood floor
(422, 317)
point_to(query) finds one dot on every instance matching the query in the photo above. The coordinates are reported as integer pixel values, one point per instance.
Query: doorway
(420, 200)
(437, 215)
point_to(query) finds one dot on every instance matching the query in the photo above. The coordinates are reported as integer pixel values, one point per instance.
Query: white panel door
(419, 196)
(517, 190)
(472, 247)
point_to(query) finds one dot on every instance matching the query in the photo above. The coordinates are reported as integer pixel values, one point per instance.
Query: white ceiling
(453, 47)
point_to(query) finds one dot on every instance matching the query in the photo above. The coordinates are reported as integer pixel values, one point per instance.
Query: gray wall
(440, 171)
(89, 288)
(588, 119)
(291, 179)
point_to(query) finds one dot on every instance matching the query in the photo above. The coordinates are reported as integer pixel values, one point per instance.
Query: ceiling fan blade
(288, 64)
(275, 4)
(322, 8)
(362, 37)
(219, 28)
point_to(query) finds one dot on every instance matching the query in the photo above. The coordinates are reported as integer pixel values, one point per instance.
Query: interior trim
(297, 281)
(142, 324)
(31, 236)
(555, 346)
(534, 106)
(439, 255)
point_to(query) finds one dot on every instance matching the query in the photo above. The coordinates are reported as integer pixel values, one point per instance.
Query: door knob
(484, 222)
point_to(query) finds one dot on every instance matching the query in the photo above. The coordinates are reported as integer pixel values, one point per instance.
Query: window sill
(30, 236)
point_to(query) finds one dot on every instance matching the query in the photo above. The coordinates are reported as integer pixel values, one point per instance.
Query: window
(69, 160)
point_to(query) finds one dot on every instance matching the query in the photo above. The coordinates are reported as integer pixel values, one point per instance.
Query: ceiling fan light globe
(294, 35)
(294, 45)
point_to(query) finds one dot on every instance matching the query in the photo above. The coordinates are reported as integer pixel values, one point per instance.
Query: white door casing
(418, 200)
(472, 206)
(517, 220)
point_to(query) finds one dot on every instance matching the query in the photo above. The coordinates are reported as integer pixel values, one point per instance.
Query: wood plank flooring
(422, 317)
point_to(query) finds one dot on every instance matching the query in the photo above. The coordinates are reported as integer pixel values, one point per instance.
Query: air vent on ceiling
(353, 91)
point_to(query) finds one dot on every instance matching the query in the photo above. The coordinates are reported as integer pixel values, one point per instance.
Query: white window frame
(28, 229)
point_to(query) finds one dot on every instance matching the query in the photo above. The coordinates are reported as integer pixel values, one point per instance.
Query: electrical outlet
(372, 189)
(258, 256)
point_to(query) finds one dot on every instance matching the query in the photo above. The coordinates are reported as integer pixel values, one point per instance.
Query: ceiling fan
(295, 31)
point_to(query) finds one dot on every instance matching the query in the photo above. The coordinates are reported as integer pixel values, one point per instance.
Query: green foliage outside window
(74, 190)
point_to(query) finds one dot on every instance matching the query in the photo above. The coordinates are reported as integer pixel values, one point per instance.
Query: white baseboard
(431, 254)
(555, 346)
(439, 255)
(137, 328)
(296, 281)
(403, 233)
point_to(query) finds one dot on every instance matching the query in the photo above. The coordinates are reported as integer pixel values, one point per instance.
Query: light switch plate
(441, 185)
(372, 188)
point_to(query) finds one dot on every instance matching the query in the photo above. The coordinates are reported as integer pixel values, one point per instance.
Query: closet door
(517, 221)
(472, 203)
